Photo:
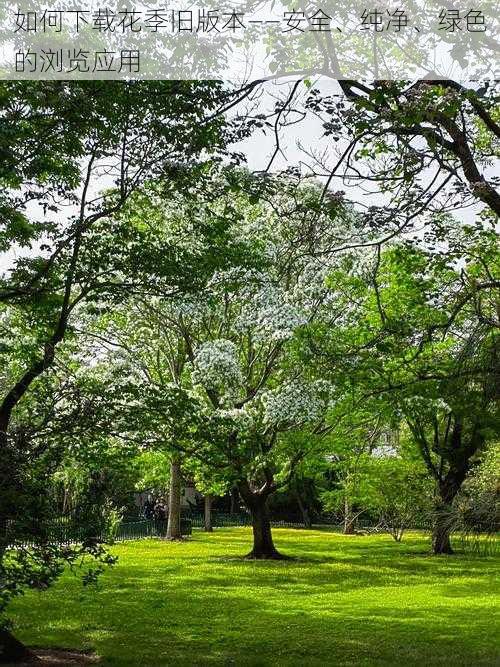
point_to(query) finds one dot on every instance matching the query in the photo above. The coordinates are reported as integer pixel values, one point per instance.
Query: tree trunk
(12, 650)
(443, 524)
(65, 500)
(263, 545)
(234, 500)
(349, 520)
(174, 501)
(208, 513)
(303, 510)
(441, 543)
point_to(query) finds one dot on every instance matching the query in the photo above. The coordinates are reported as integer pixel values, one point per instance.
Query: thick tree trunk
(12, 650)
(349, 520)
(441, 543)
(263, 545)
(208, 513)
(174, 501)
(448, 489)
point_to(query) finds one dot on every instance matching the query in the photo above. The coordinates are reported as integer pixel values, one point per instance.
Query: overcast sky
(296, 141)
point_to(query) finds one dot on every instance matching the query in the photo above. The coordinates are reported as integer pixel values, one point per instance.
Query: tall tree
(427, 349)
(63, 144)
(229, 348)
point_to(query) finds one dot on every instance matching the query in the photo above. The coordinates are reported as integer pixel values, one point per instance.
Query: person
(160, 510)
(160, 517)
(149, 508)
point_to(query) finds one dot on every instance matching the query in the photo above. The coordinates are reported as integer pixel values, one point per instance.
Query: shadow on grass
(343, 602)
(214, 629)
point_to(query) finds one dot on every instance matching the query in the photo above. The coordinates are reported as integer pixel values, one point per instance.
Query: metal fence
(139, 528)
(225, 520)
(68, 530)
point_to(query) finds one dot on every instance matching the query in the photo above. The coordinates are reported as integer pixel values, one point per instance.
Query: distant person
(149, 508)
(160, 511)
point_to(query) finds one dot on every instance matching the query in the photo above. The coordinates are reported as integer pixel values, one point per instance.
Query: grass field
(344, 601)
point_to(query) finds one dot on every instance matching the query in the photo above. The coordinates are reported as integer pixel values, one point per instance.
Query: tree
(402, 492)
(452, 411)
(349, 448)
(378, 477)
(425, 350)
(228, 350)
(98, 133)
(475, 512)
(304, 491)
(48, 425)
(174, 499)
(104, 468)
(208, 481)
(420, 147)
(397, 131)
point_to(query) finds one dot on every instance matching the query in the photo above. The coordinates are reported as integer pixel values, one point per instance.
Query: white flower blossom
(242, 418)
(270, 314)
(296, 403)
(216, 366)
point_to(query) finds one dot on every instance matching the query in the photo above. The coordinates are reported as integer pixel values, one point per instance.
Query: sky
(296, 141)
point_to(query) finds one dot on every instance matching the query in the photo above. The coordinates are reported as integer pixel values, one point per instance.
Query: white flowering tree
(231, 347)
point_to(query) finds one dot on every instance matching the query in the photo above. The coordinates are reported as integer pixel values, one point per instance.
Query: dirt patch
(51, 657)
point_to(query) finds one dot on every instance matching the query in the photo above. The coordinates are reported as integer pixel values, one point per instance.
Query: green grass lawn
(344, 601)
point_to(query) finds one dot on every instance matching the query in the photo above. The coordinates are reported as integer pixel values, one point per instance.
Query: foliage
(153, 471)
(475, 514)
(212, 373)
(398, 132)
(402, 494)
(59, 142)
(105, 471)
(249, 322)
(410, 355)
(374, 473)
